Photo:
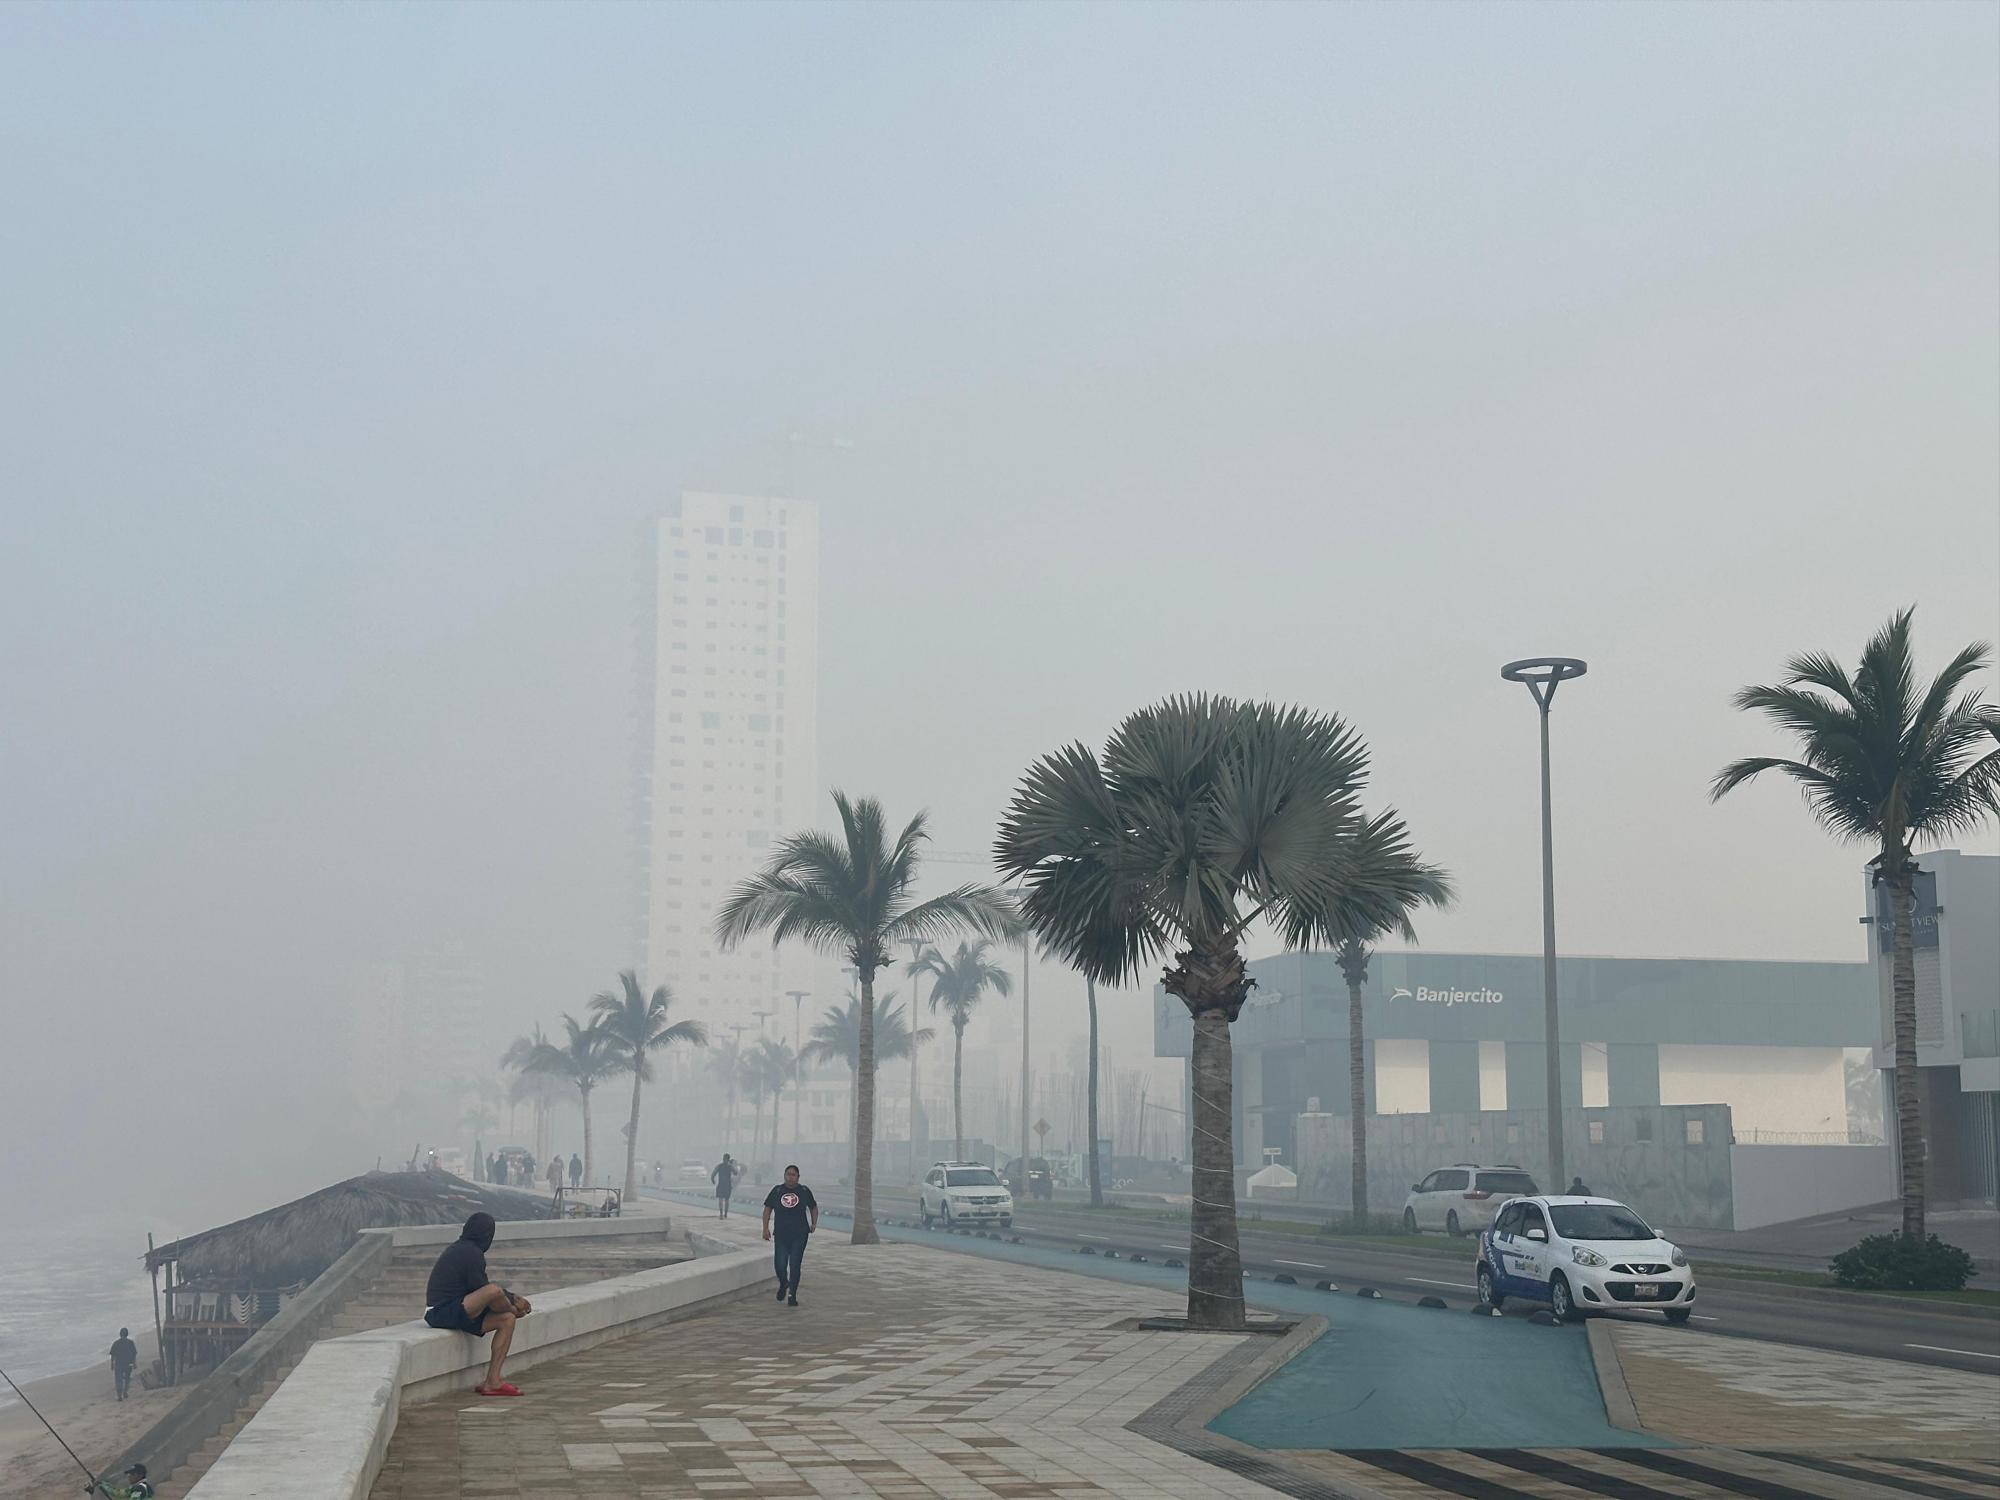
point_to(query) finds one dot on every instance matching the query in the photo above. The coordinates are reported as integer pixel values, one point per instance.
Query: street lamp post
(1543, 674)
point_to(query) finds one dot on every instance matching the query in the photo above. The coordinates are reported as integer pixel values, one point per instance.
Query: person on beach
(136, 1486)
(797, 1217)
(575, 1170)
(724, 1177)
(124, 1355)
(460, 1298)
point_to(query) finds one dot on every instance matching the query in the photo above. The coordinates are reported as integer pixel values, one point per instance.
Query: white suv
(964, 1192)
(1463, 1198)
(1580, 1254)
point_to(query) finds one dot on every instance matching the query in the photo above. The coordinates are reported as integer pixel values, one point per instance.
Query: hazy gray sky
(1332, 353)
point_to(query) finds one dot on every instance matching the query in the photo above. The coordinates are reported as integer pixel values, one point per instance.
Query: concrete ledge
(324, 1432)
(523, 1231)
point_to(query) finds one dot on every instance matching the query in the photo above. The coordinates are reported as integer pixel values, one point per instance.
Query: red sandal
(504, 1388)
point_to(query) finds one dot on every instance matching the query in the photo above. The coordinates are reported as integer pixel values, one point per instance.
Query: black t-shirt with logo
(788, 1207)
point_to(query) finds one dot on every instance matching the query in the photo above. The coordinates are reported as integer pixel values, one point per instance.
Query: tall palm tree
(750, 1077)
(726, 1059)
(851, 895)
(1396, 883)
(537, 1089)
(636, 1025)
(957, 985)
(584, 1058)
(776, 1065)
(836, 1037)
(1202, 816)
(1882, 762)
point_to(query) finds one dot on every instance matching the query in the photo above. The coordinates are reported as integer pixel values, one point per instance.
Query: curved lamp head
(1542, 674)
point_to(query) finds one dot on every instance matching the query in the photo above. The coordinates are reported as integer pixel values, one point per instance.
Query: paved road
(1910, 1331)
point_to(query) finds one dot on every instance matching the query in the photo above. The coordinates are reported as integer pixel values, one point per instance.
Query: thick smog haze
(1332, 355)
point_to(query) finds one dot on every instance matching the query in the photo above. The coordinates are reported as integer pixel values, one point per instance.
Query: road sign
(1041, 1127)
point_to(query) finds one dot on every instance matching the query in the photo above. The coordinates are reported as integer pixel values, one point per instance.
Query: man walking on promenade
(124, 1355)
(798, 1216)
(575, 1170)
(460, 1298)
(724, 1177)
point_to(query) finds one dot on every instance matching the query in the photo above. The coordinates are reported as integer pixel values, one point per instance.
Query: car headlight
(1679, 1258)
(1584, 1257)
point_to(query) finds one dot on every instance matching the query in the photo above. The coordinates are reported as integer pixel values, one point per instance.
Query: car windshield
(971, 1177)
(1508, 1182)
(1599, 1221)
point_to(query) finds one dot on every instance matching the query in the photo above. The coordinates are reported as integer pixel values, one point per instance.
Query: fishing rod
(52, 1432)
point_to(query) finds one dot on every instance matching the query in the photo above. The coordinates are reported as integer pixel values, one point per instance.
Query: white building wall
(1788, 1090)
(1403, 1076)
(734, 752)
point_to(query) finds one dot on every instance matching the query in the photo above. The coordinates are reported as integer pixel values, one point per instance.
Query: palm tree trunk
(756, 1127)
(1215, 1259)
(632, 1144)
(916, 1168)
(587, 1157)
(1909, 1110)
(729, 1125)
(864, 1120)
(1096, 1185)
(777, 1098)
(958, 1092)
(1357, 1107)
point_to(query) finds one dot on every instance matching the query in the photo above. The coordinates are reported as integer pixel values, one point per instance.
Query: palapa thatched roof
(295, 1241)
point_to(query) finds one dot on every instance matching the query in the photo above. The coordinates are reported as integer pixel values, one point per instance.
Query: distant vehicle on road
(964, 1192)
(1463, 1198)
(1040, 1181)
(1580, 1255)
(694, 1171)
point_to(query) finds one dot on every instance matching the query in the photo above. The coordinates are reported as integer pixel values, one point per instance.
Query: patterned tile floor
(905, 1373)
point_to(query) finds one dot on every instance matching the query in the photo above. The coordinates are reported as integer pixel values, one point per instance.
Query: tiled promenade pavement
(906, 1372)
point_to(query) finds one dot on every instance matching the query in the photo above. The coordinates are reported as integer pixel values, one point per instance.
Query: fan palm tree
(836, 1037)
(776, 1065)
(636, 1026)
(584, 1058)
(851, 895)
(1396, 882)
(1202, 816)
(1882, 762)
(957, 985)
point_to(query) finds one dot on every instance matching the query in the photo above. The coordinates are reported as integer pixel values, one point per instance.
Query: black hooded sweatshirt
(461, 1270)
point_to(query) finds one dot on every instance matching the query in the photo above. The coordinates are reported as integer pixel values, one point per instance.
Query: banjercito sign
(1424, 996)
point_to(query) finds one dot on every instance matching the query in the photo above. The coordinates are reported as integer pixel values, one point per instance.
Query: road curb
(1620, 1410)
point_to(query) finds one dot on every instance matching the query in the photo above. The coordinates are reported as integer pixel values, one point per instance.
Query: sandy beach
(88, 1414)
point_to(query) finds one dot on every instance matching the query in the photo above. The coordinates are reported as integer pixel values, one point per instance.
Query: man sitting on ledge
(460, 1298)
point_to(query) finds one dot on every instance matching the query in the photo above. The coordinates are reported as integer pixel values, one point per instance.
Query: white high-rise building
(728, 752)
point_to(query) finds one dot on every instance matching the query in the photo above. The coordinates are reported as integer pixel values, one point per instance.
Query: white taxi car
(964, 1192)
(1581, 1255)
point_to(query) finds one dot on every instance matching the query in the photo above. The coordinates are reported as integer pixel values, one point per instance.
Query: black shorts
(452, 1317)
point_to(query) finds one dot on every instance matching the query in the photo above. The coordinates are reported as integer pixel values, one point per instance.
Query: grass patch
(1819, 1281)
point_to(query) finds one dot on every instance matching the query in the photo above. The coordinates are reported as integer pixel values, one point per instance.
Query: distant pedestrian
(724, 1177)
(555, 1176)
(124, 1355)
(575, 1170)
(1577, 1189)
(659, 1174)
(797, 1217)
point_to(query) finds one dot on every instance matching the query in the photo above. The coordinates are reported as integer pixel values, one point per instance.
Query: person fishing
(136, 1487)
(460, 1298)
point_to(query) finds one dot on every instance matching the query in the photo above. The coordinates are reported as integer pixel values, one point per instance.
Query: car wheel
(1679, 1314)
(1560, 1302)
(1489, 1293)
(1007, 1223)
(924, 1212)
(1451, 1224)
(1409, 1221)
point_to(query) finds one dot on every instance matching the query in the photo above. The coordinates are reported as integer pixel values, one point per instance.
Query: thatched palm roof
(296, 1241)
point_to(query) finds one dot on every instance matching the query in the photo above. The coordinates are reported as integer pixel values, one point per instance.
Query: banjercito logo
(1449, 997)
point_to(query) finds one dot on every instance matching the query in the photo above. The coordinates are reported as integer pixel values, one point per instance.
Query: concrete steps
(396, 1295)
